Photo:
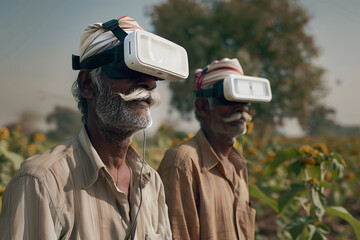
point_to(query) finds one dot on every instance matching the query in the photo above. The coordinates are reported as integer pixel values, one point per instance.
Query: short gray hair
(95, 75)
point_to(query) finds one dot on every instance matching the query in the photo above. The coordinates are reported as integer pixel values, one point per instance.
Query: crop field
(301, 188)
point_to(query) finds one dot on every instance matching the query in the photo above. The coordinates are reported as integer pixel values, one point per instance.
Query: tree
(321, 123)
(67, 121)
(269, 39)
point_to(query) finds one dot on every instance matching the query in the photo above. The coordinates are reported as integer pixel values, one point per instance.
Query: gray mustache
(238, 116)
(140, 94)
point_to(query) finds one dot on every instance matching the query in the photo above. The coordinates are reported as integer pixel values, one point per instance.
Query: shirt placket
(122, 202)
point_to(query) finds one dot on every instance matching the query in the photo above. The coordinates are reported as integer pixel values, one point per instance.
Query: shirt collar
(91, 171)
(210, 158)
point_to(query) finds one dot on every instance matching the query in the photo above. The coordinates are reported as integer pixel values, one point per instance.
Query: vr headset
(138, 53)
(238, 88)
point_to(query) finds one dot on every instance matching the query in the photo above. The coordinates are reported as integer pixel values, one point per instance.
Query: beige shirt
(67, 193)
(205, 201)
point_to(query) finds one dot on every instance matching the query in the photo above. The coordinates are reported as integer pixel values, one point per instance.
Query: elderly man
(95, 185)
(205, 178)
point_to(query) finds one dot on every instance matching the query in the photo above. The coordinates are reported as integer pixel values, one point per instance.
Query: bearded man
(94, 185)
(205, 178)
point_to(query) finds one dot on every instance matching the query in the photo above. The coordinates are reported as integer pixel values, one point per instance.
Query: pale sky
(38, 37)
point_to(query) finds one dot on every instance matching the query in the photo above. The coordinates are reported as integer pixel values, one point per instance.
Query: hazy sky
(38, 37)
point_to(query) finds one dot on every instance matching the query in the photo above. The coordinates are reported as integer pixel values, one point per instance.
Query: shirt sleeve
(181, 200)
(27, 211)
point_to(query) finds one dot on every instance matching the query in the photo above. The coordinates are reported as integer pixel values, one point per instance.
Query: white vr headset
(138, 53)
(238, 88)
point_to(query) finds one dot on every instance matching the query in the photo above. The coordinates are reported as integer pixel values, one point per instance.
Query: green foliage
(289, 195)
(257, 193)
(300, 190)
(15, 148)
(282, 156)
(269, 39)
(9, 163)
(299, 178)
(338, 211)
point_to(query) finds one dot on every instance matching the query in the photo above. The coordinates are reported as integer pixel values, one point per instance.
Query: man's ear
(202, 106)
(86, 85)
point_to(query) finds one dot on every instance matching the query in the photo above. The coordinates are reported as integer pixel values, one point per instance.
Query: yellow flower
(270, 156)
(328, 176)
(249, 127)
(18, 128)
(309, 162)
(257, 170)
(39, 137)
(4, 133)
(163, 126)
(133, 144)
(190, 135)
(253, 180)
(309, 150)
(322, 148)
(175, 142)
(31, 149)
(2, 191)
(236, 143)
(317, 223)
(350, 176)
(314, 181)
(252, 151)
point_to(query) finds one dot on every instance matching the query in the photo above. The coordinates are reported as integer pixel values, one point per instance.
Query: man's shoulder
(182, 156)
(49, 162)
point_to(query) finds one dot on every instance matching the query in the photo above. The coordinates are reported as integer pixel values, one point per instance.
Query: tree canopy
(67, 123)
(268, 37)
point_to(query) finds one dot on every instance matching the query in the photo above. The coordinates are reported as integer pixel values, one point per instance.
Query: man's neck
(114, 158)
(113, 155)
(221, 144)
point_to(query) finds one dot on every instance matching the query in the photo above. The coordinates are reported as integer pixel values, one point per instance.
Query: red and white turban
(216, 71)
(96, 37)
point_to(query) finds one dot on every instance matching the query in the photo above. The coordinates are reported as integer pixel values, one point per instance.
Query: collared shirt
(205, 201)
(67, 193)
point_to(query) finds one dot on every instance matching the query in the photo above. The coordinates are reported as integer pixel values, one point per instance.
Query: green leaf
(282, 156)
(327, 185)
(338, 157)
(289, 195)
(256, 192)
(296, 167)
(319, 201)
(338, 211)
(315, 172)
(14, 158)
(337, 169)
(316, 233)
(296, 230)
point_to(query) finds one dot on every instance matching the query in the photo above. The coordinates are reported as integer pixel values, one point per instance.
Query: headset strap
(113, 26)
(109, 56)
(216, 91)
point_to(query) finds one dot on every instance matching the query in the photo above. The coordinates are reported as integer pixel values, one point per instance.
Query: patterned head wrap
(216, 71)
(96, 37)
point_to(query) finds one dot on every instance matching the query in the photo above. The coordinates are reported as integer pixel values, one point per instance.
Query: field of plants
(302, 188)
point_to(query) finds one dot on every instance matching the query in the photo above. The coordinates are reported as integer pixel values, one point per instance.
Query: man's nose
(241, 107)
(147, 83)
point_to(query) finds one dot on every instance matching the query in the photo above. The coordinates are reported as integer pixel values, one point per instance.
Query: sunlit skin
(221, 135)
(113, 156)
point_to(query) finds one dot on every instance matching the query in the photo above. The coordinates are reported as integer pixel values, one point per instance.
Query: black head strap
(115, 54)
(113, 26)
(215, 92)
